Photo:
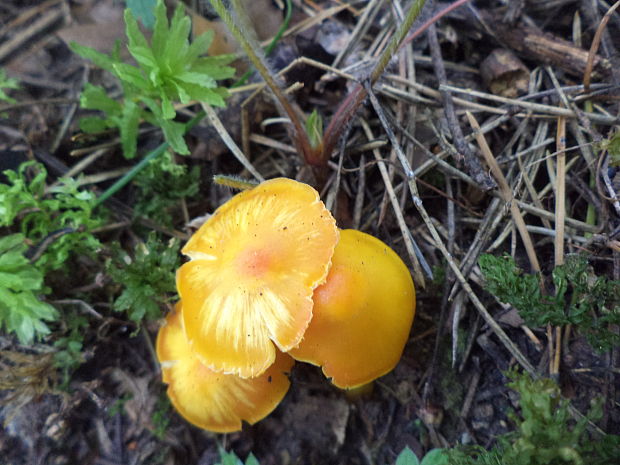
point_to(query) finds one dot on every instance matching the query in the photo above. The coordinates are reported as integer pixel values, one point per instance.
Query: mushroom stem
(360, 392)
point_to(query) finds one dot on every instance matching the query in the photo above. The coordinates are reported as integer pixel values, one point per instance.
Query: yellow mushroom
(210, 400)
(362, 314)
(253, 268)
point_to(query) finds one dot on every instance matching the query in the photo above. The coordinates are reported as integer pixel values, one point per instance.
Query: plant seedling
(169, 70)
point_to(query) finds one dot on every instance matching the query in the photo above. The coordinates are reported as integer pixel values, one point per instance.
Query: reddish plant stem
(354, 100)
(339, 121)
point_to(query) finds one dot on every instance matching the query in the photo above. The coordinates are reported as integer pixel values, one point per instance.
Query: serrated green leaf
(163, 183)
(199, 46)
(144, 56)
(95, 98)
(101, 60)
(135, 38)
(146, 278)
(173, 132)
(229, 458)
(175, 50)
(95, 124)
(20, 280)
(21, 312)
(214, 67)
(65, 206)
(167, 109)
(160, 30)
(200, 79)
(579, 298)
(129, 129)
(11, 260)
(182, 94)
(19, 193)
(132, 75)
(213, 97)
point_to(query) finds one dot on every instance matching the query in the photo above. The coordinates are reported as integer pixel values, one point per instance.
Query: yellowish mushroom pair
(270, 276)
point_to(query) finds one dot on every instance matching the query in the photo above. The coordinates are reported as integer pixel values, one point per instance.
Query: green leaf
(199, 46)
(167, 110)
(21, 311)
(163, 184)
(19, 193)
(95, 98)
(215, 66)
(435, 457)
(129, 128)
(579, 297)
(7, 83)
(213, 97)
(169, 69)
(138, 302)
(144, 56)
(314, 129)
(10, 244)
(131, 75)
(94, 124)
(200, 79)
(173, 133)
(176, 46)
(51, 217)
(145, 278)
(407, 457)
(230, 458)
(160, 30)
(99, 59)
(613, 147)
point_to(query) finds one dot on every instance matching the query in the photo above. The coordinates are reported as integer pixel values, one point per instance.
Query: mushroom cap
(254, 266)
(362, 314)
(210, 400)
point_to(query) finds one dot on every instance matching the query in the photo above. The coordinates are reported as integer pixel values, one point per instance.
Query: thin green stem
(397, 38)
(591, 210)
(126, 179)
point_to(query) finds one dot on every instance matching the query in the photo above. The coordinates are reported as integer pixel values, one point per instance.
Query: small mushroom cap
(254, 266)
(210, 400)
(362, 314)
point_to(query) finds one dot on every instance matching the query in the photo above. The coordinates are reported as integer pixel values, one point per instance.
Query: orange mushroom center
(253, 262)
